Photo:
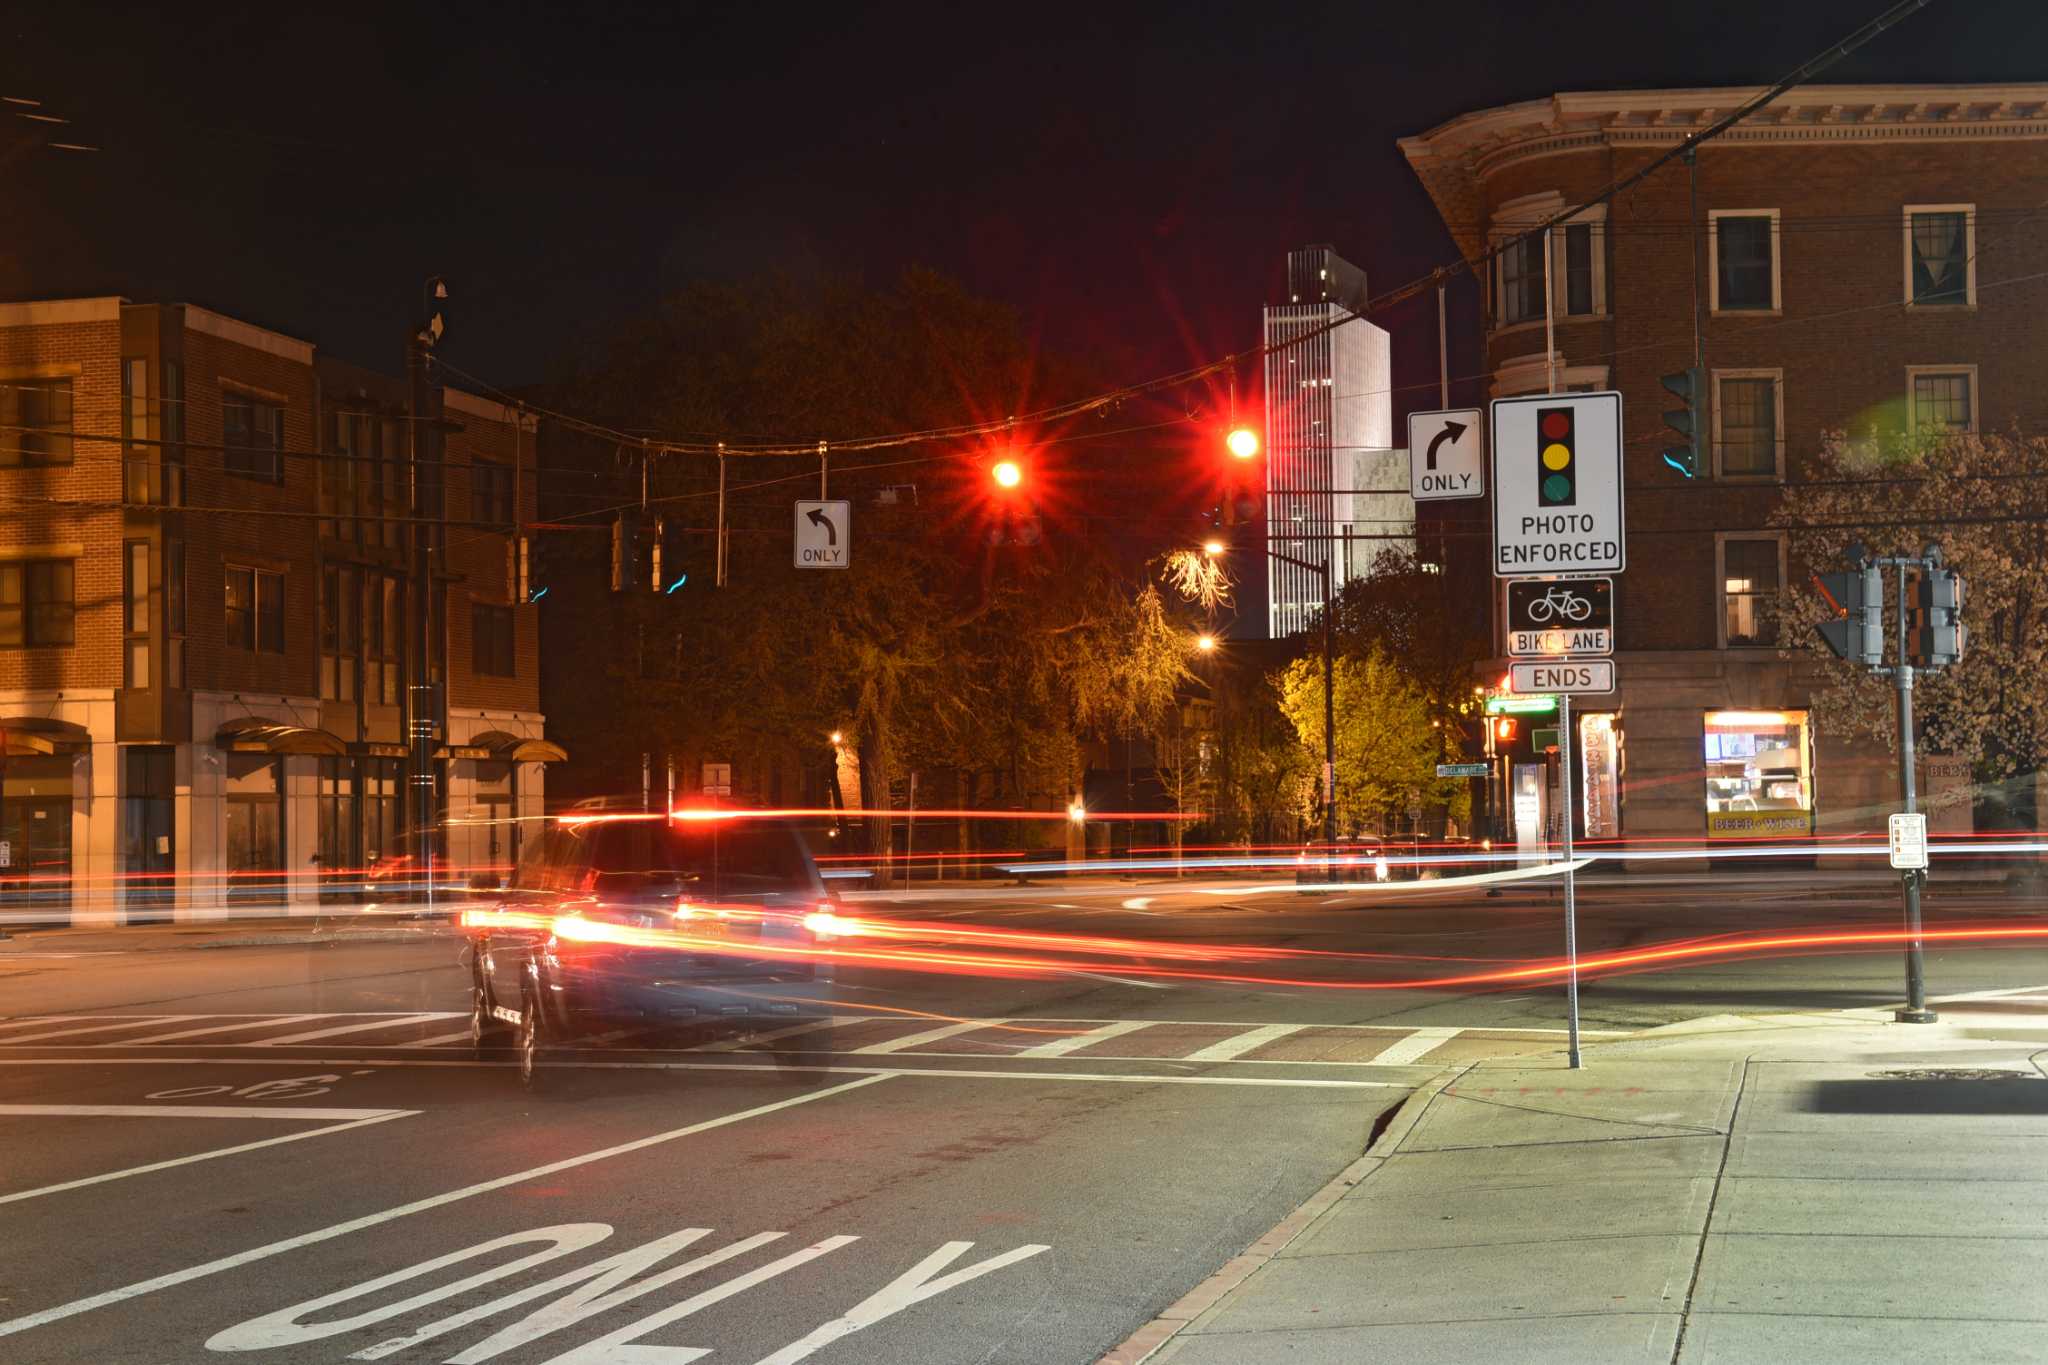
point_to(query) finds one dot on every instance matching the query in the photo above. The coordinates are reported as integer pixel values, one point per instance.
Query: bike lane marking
(342, 1229)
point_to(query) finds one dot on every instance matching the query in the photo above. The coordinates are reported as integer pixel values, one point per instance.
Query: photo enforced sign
(1557, 485)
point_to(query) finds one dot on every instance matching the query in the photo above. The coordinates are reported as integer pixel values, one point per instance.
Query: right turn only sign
(1557, 506)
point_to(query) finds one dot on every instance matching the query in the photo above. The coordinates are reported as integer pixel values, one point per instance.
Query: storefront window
(255, 827)
(1759, 774)
(35, 827)
(1600, 775)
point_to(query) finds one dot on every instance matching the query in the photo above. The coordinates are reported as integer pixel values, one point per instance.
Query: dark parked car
(611, 919)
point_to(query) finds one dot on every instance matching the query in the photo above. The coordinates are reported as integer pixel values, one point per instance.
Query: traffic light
(1937, 633)
(1008, 474)
(1689, 422)
(1557, 465)
(1857, 598)
(1242, 442)
(625, 537)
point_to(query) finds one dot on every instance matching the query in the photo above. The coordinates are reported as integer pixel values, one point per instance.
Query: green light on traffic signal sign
(1557, 470)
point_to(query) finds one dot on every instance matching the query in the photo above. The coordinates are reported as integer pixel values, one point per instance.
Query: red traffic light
(1242, 442)
(1006, 473)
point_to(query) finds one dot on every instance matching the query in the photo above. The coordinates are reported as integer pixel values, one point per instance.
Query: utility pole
(422, 711)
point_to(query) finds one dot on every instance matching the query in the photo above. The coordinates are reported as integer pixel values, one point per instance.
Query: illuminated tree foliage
(1387, 749)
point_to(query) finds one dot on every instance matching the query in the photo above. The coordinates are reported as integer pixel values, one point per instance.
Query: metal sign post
(1571, 902)
(1916, 1011)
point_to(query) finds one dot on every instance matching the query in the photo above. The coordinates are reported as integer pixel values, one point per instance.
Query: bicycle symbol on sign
(1561, 604)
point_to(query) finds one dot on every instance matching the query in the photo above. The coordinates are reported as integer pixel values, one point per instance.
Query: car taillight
(825, 922)
(577, 929)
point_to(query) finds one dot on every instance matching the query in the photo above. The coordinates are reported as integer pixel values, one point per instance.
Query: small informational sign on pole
(1461, 770)
(824, 534)
(1908, 840)
(1564, 677)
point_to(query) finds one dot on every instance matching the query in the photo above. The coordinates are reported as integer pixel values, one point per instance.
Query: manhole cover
(1952, 1073)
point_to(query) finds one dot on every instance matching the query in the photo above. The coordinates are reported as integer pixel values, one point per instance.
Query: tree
(1386, 749)
(1408, 609)
(1984, 500)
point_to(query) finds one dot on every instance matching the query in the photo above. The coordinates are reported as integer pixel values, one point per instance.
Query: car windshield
(711, 858)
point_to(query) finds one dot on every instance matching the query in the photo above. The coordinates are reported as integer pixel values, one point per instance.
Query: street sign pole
(1571, 903)
(1916, 1011)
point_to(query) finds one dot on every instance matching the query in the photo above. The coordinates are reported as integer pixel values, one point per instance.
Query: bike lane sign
(1560, 617)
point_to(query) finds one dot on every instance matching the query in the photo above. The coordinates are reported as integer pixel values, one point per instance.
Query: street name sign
(1553, 617)
(1569, 677)
(1461, 770)
(1908, 840)
(1446, 455)
(1557, 504)
(824, 534)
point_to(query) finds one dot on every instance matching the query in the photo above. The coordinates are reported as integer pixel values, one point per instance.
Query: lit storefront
(1599, 748)
(1759, 774)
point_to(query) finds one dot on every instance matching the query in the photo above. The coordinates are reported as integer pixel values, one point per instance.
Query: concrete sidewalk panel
(1909, 1277)
(1610, 1338)
(1932, 1153)
(1857, 1097)
(1551, 1164)
(1531, 1279)
(1480, 1112)
(1415, 1215)
(1884, 1208)
(1744, 1338)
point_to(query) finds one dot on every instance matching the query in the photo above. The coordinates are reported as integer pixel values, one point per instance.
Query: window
(1941, 255)
(490, 493)
(1521, 280)
(255, 609)
(384, 629)
(1745, 254)
(35, 422)
(1759, 768)
(340, 621)
(1578, 269)
(1943, 398)
(171, 429)
(174, 613)
(254, 826)
(1750, 574)
(36, 602)
(1747, 425)
(490, 641)
(252, 432)
(338, 476)
(138, 433)
(136, 615)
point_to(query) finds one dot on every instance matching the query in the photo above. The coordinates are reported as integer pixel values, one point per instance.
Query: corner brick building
(1869, 256)
(205, 587)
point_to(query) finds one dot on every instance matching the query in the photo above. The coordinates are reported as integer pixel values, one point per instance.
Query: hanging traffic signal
(1857, 599)
(1008, 474)
(1243, 443)
(1936, 631)
(1688, 387)
(1557, 466)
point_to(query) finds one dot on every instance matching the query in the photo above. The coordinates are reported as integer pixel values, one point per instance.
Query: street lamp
(1076, 812)
(837, 737)
(1205, 642)
(1212, 548)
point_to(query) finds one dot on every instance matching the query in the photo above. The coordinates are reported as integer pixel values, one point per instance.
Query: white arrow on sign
(1572, 676)
(824, 534)
(1446, 455)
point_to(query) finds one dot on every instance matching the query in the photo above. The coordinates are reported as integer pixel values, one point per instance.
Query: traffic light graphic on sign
(1557, 472)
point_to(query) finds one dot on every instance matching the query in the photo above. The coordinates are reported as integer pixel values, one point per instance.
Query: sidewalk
(1787, 1188)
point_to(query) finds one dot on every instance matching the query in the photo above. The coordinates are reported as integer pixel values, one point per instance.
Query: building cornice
(49, 312)
(248, 334)
(1455, 159)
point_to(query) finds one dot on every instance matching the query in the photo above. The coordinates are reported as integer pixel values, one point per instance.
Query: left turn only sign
(824, 534)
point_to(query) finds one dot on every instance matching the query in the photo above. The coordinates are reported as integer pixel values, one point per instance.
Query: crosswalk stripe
(44, 1019)
(930, 1035)
(459, 1036)
(1414, 1046)
(267, 1022)
(137, 1021)
(1060, 1047)
(1242, 1043)
(391, 1021)
(788, 1031)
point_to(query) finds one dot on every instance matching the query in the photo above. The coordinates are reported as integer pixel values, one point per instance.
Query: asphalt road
(285, 1151)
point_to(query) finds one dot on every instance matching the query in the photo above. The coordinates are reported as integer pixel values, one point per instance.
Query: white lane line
(1242, 1043)
(388, 1021)
(1413, 1046)
(930, 1035)
(1990, 995)
(46, 1019)
(1060, 1047)
(190, 1111)
(156, 1038)
(1122, 980)
(205, 1156)
(371, 1220)
(787, 1031)
(133, 1021)
(460, 1035)
(1135, 1078)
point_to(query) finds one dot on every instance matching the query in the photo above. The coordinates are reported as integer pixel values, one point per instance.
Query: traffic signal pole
(1916, 1011)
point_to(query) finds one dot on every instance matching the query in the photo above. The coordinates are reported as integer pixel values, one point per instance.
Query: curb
(1144, 1343)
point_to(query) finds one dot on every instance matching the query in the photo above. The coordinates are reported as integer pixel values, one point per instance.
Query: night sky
(1128, 176)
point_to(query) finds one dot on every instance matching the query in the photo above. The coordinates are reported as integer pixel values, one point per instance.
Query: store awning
(33, 736)
(502, 745)
(255, 735)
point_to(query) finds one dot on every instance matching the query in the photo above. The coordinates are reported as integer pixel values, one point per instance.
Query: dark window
(490, 644)
(340, 630)
(1941, 263)
(35, 421)
(1749, 426)
(1743, 245)
(1749, 589)
(136, 595)
(36, 602)
(1578, 269)
(711, 858)
(255, 609)
(490, 493)
(174, 613)
(1521, 280)
(252, 432)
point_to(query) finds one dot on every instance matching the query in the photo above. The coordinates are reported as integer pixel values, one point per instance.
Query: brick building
(205, 583)
(1869, 256)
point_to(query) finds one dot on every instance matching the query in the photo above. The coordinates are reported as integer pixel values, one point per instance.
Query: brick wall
(477, 563)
